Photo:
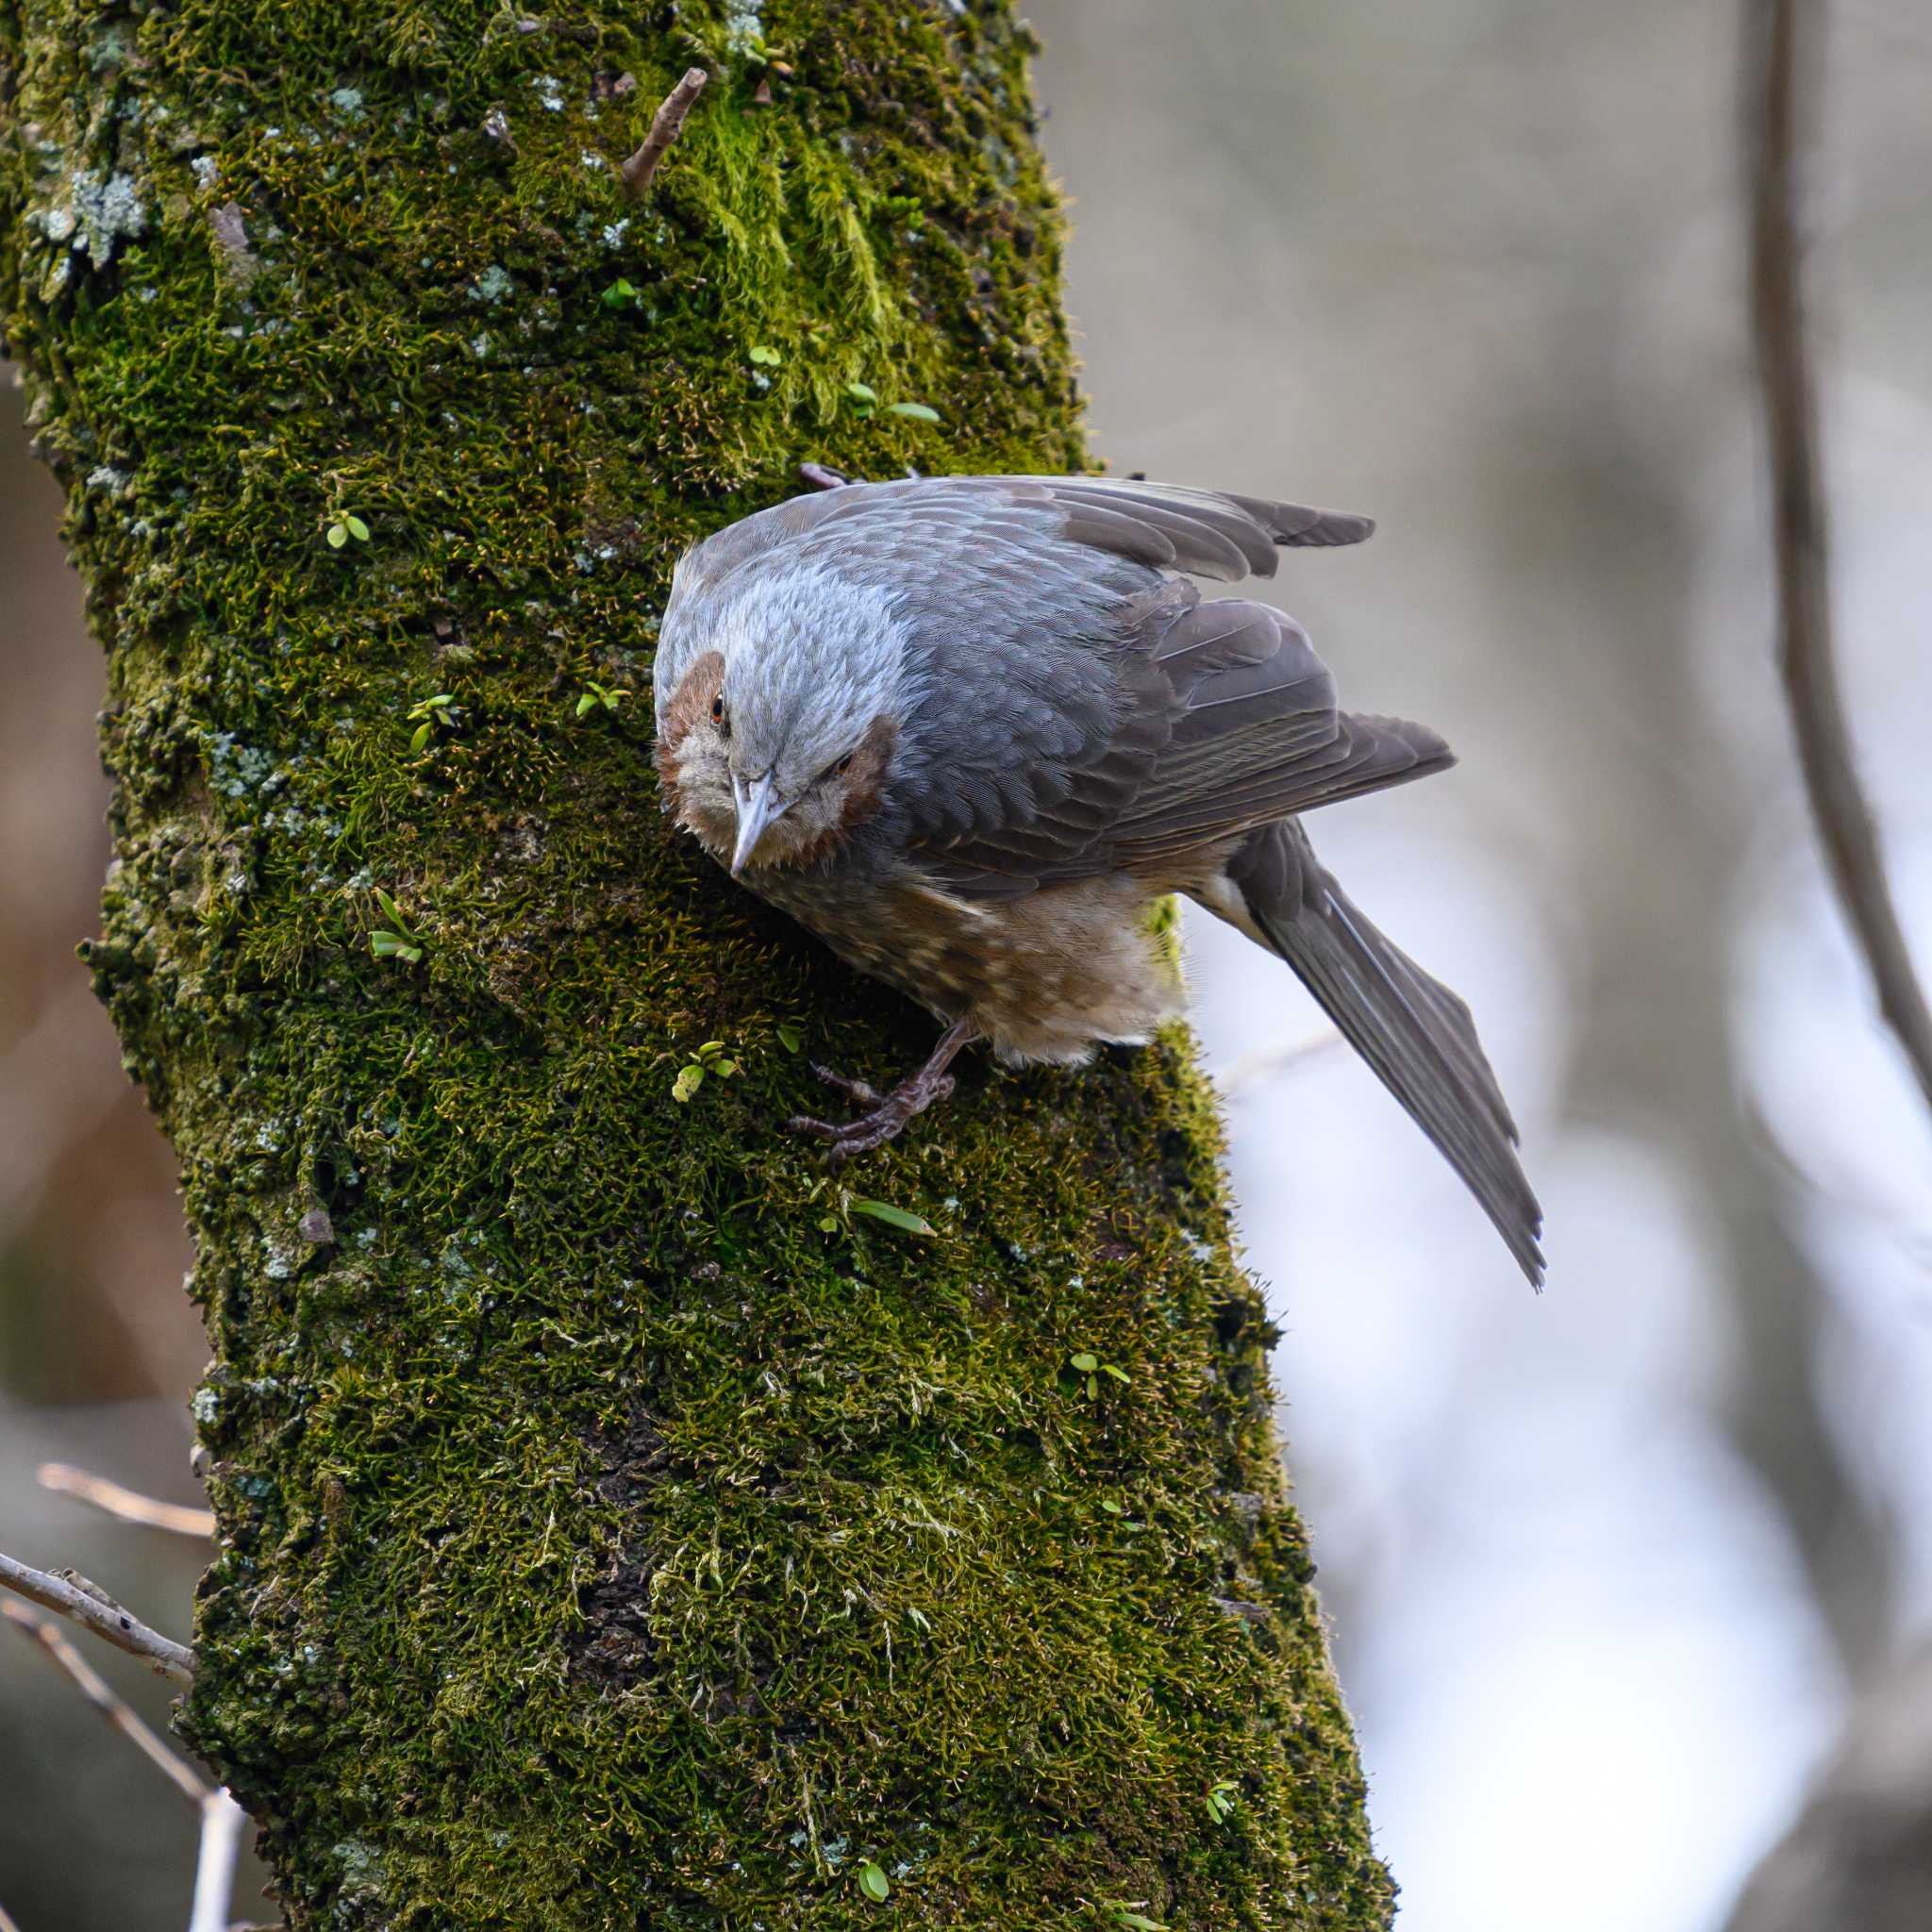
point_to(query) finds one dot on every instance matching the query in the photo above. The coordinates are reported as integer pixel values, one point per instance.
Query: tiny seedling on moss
(765, 357)
(344, 528)
(1220, 1799)
(1091, 1366)
(594, 694)
(709, 1059)
(920, 412)
(427, 714)
(395, 941)
(893, 1217)
(620, 294)
(790, 1037)
(873, 1882)
(1135, 1920)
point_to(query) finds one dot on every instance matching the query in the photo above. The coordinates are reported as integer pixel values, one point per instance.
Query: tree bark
(621, 1524)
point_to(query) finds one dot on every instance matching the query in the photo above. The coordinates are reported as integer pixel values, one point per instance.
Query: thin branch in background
(1260, 1065)
(92, 1609)
(6, 1924)
(118, 1712)
(1783, 49)
(128, 1505)
(666, 124)
(223, 1822)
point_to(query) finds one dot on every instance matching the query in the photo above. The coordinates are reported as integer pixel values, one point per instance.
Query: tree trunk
(622, 1526)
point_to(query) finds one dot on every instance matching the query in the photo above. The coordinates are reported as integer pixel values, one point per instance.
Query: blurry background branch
(1783, 60)
(222, 1819)
(1860, 1854)
(127, 1506)
(116, 1711)
(94, 1611)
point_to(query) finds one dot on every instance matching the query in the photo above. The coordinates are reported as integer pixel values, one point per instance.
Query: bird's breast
(1044, 977)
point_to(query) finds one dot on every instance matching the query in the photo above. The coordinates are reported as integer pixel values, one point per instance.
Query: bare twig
(665, 126)
(222, 1824)
(1782, 53)
(6, 1924)
(102, 1615)
(1261, 1064)
(129, 1506)
(118, 1712)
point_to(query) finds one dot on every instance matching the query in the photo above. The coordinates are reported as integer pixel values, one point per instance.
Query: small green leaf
(338, 536)
(726, 1068)
(873, 1882)
(829, 1225)
(357, 528)
(892, 1217)
(1092, 1388)
(1119, 1374)
(861, 393)
(588, 702)
(687, 1082)
(618, 294)
(770, 357)
(789, 1039)
(712, 1046)
(1085, 1364)
(419, 737)
(391, 911)
(1111, 1507)
(383, 944)
(1138, 1922)
(920, 412)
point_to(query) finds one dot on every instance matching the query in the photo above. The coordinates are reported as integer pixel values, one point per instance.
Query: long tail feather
(1414, 1032)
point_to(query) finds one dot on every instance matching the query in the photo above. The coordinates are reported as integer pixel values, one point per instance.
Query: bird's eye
(844, 764)
(718, 710)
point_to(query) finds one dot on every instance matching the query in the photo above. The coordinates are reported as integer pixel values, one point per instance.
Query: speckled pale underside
(605, 1544)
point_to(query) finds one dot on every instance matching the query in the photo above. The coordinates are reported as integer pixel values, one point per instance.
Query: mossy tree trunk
(619, 1527)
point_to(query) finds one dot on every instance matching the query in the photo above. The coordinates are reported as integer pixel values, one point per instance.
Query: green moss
(606, 1542)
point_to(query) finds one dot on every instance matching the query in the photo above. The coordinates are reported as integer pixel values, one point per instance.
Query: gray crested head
(811, 658)
(792, 684)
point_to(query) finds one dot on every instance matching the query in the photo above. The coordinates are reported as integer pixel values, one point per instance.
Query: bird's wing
(1222, 719)
(1207, 533)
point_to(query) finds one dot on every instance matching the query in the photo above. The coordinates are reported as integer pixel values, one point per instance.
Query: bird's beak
(756, 807)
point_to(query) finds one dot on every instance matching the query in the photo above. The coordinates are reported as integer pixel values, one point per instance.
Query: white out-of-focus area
(1605, 1566)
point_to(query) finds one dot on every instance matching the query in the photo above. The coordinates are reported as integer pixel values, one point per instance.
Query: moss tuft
(617, 1530)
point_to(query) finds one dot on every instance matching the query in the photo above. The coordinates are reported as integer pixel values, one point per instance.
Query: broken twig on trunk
(666, 124)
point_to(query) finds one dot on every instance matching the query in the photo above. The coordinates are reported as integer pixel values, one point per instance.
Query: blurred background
(1609, 1570)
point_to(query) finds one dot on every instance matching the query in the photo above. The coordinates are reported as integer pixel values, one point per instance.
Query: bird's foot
(859, 1093)
(887, 1114)
(885, 1119)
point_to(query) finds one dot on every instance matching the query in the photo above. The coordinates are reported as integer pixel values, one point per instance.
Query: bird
(973, 732)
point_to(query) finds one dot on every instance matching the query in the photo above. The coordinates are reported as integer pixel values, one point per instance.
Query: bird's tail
(1410, 1028)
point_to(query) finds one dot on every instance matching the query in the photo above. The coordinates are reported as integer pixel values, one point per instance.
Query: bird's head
(775, 742)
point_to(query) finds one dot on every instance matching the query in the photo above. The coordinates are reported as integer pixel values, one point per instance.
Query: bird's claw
(859, 1093)
(885, 1119)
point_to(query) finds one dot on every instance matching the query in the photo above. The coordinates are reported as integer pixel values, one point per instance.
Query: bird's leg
(887, 1113)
